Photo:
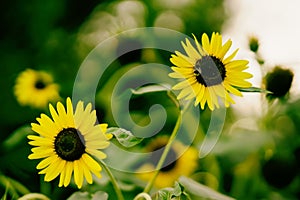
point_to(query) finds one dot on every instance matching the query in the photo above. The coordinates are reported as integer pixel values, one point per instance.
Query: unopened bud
(278, 81)
(253, 44)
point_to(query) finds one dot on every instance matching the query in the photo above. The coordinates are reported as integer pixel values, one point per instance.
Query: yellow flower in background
(67, 142)
(35, 88)
(181, 161)
(209, 76)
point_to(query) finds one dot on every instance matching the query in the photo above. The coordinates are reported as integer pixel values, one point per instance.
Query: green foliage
(86, 196)
(16, 138)
(151, 88)
(124, 137)
(12, 187)
(253, 89)
(198, 191)
(175, 193)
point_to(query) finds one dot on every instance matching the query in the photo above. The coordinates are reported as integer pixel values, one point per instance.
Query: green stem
(166, 151)
(113, 181)
(13, 187)
(45, 187)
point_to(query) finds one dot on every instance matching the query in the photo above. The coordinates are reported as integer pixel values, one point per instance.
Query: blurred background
(258, 153)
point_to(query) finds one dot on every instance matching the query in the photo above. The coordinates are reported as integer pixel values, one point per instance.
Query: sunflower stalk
(45, 187)
(166, 150)
(113, 181)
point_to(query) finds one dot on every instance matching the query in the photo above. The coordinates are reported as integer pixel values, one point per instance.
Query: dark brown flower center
(39, 84)
(209, 71)
(69, 144)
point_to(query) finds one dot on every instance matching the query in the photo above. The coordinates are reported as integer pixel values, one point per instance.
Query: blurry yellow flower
(35, 88)
(208, 76)
(66, 143)
(177, 163)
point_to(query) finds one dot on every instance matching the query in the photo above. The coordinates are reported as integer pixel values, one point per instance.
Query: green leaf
(253, 89)
(87, 196)
(164, 194)
(79, 196)
(16, 137)
(176, 193)
(177, 190)
(124, 137)
(36, 196)
(157, 88)
(12, 187)
(151, 88)
(100, 195)
(199, 191)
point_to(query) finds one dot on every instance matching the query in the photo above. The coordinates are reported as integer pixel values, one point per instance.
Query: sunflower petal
(188, 59)
(204, 98)
(205, 43)
(184, 71)
(56, 118)
(218, 46)
(240, 83)
(229, 58)
(209, 97)
(68, 170)
(86, 173)
(62, 177)
(232, 90)
(186, 91)
(214, 97)
(40, 141)
(214, 44)
(45, 162)
(191, 51)
(97, 144)
(199, 94)
(46, 152)
(103, 127)
(175, 75)
(198, 46)
(224, 49)
(78, 174)
(91, 163)
(237, 64)
(54, 169)
(62, 115)
(69, 113)
(180, 61)
(181, 85)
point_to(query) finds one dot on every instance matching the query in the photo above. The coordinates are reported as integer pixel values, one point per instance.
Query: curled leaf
(124, 137)
(151, 88)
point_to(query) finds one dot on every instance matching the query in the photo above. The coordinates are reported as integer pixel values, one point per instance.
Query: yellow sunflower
(35, 88)
(177, 163)
(209, 76)
(67, 142)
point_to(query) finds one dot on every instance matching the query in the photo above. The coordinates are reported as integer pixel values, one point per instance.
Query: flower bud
(278, 81)
(253, 44)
